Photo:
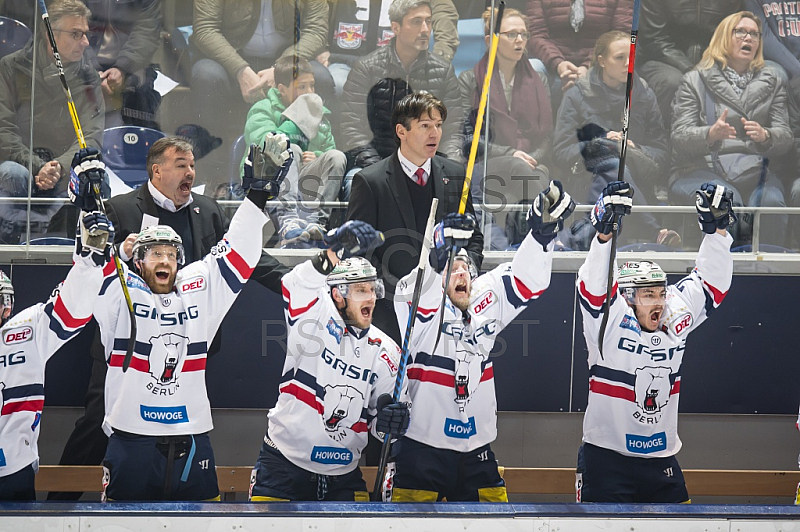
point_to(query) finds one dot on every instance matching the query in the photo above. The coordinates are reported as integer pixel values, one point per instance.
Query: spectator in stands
(381, 79)
(675, 33)
(563, 34)
(729, 117)
(124, 37)
(54, 139)
(293, 108)
(358, 28)
(235, 47)
(521, 127)
(599, 98)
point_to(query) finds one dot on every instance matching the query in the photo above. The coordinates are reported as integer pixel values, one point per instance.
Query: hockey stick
(473, 150)
(621, 175)
(73, 113)
(412, 319)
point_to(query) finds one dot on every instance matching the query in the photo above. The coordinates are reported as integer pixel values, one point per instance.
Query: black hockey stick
(76, 123)
(626, 113)
(412, 319)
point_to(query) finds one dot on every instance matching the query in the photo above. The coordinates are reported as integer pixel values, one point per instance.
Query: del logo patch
(456, 428)
(646, 444)
(195, 284)
(682, 323)
(168, 415)
(389, 362)
(484, 302)
(18, 335)
(331, 455)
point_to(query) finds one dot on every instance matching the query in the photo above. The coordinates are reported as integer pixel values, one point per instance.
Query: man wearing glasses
(54, 141)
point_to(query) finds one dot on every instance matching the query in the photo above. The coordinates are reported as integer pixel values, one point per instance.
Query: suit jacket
(208, 222)
(380, 197)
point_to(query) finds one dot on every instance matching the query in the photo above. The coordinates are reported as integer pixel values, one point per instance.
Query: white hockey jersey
(452, 388)
(164, 390)
(332, 378)
(635, 386)
(29, 339)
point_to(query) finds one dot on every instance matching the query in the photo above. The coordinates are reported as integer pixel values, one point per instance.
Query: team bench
(551, 481)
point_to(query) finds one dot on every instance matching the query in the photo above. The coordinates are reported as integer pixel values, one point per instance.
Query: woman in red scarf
(520, 126)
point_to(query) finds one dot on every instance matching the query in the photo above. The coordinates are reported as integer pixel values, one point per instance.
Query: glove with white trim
(266, 165)
(455, 229)
(616, 199)
(353, 237)
(548, 211)
(88, 171)
(96, 237)
(714, 205)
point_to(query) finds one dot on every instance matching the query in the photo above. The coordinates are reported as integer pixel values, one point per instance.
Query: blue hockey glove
(714, 205)
(616, 198)
(87, 171)
(96, 237)
(392, 417)
(454, 230)
(354, 237)
(548, 212)
(266, 166)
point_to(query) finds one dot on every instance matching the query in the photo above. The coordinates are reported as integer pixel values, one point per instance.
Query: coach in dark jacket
(165, 199)
(674, 34)
(406, 58)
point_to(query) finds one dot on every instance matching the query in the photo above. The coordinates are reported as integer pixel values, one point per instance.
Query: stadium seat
(646, 246)
(13, 35)
(125, 152)
(762, 248)
(472, 45)
(51, 241)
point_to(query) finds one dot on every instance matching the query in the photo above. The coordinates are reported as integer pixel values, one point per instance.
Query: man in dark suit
(167, 199)
(395, 195)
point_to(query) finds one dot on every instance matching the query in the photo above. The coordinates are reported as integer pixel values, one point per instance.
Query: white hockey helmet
(462, 255)
(639, 274)
(6, 294)
(157, 235)
(355, 270)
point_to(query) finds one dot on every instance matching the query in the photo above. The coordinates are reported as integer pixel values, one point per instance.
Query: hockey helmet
(157, 235)
(355, 270)
(463, 256)
(639, 274)
(6, 293)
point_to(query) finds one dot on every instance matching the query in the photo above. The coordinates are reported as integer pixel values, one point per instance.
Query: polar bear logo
(652, 389)
(340, 402)
(467, 375)
(167, 352)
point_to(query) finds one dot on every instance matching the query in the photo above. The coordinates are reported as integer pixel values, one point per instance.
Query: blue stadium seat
(125, 152)
(51, 241)
(472, 45)
(762, 248)
(13, 35)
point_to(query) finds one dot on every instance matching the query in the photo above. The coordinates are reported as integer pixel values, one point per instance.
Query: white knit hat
(306, 112)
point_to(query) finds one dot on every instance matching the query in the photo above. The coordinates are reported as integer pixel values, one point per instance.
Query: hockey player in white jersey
(446, 451)
(157, 413)
(29, 339)
(630, 429)
(337, 379)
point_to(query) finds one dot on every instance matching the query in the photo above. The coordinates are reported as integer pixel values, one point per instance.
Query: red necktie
(420, 173)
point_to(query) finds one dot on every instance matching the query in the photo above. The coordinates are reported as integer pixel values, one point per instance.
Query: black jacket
(429, 72)
(676, 32)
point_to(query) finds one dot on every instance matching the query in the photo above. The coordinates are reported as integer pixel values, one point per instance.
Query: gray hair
(156, 153)
(400, 8)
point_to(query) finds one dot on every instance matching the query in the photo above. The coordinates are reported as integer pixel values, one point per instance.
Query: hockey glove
(548, 212)
(96, 237)
(354, 237)
(392, 418)
(266, 166)
(714, 207)
(615, 201)
(88, 172)
(454, 230)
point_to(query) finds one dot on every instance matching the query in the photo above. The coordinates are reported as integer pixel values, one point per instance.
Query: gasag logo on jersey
(629, 322)
(646, 444)
(168, 415)
(134, 281)
(466, 334)
(484, 302)
(455, 428)
(18, 335)
(195, 284)
(166, 318)
(12, 359)
(348, 370)
(331, 455)
(656, 354)
(335, 330)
